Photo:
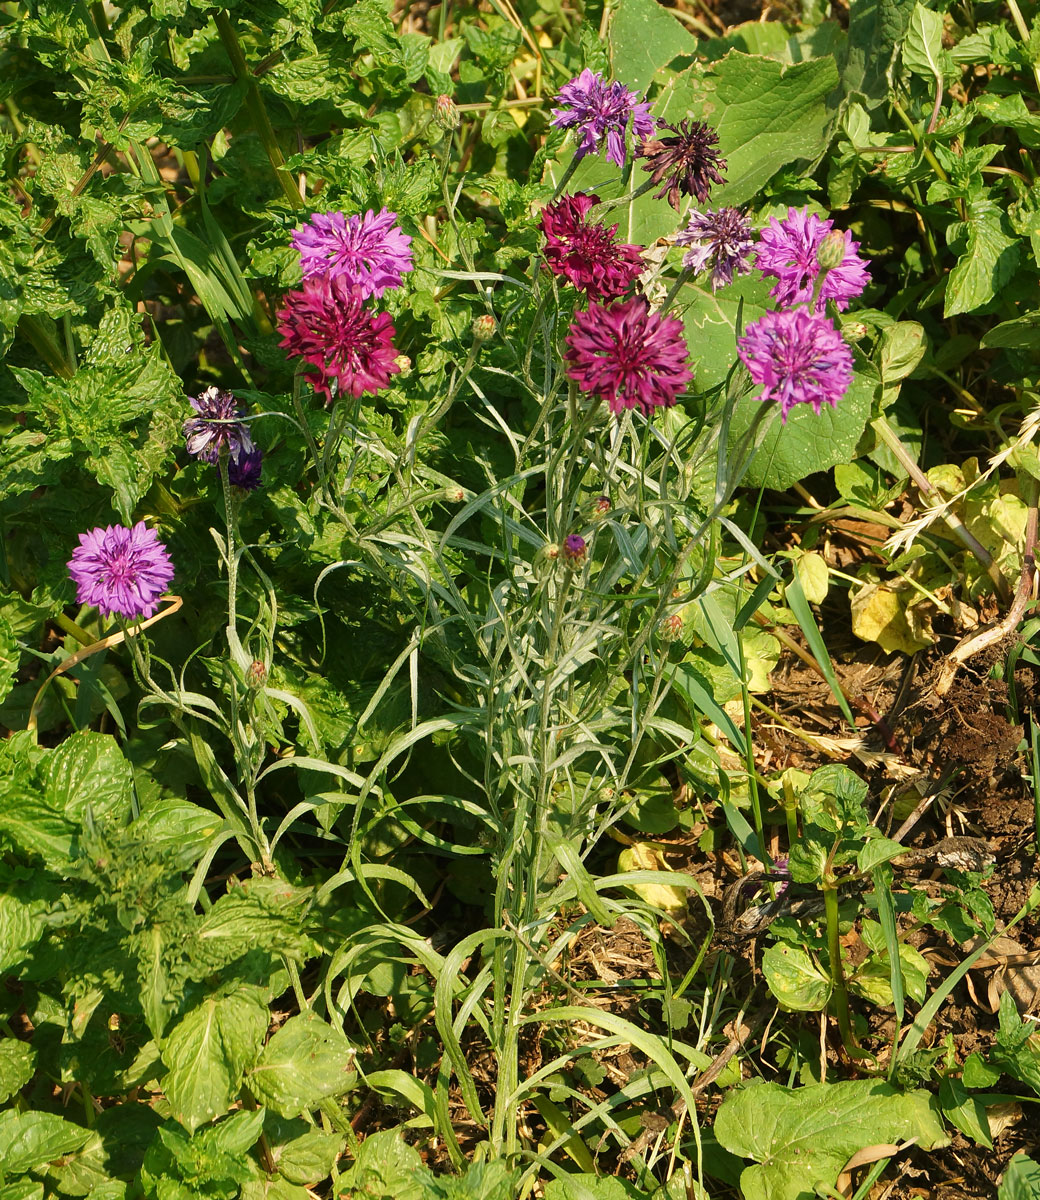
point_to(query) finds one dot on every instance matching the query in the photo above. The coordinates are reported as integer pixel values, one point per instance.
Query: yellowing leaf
(642, 857)
(879, 615)
(813, 576)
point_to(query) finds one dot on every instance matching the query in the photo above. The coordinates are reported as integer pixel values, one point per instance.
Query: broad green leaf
(1023, 333)
(9, 657)
(29, 1140)
(36, 828)
(19, 929)
(308, 1157)
(306, 1061)
(965, 1111)
(17, 1061)
(386, 1168)
(1021, 1180)
(208, 1052)
(902, 347)
(987, 263)
(592, 1187)
(644, 38)
(794, 979)
(814, 576)
(801, 1138)
(88, 770)
(24, 1189)
(181, 828)
(922, 49)
(876, 28)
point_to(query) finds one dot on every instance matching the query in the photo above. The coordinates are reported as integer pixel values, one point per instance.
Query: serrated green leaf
(29, 1140)
(88, 770)
(17, 1062)
(988, 262)
(922, 49)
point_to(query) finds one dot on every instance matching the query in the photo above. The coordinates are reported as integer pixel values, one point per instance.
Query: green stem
(841, 995)
(255, 104)
(1023, 33)
(36, 333)
(74, 630)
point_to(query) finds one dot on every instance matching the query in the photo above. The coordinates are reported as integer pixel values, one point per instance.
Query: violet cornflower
(326, 325)
(574, 550)
(121, 571)
(369, 251)
(687, 163)
(628, 356)
(797, 357)
(218, 427)
(597, 110)
(722, 239)
(585, 252)
(788, 248)
(244, 472)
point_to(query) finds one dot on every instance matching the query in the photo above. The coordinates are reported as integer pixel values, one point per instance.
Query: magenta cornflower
(597, 110)
(121, 571)
(787, 249)
(687, 164)
(370, 251)
(574, 550)
(797, 357)
(628, 356)
(721, 240)
(326, 325)
(218, 427)
(584, 252)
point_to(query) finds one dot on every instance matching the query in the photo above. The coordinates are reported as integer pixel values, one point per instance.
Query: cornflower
(121, 571)
(369, 251)
(628, 356)
(687, 163)
(585, 252)
(788, 249)
(218, 427)
(797, 357)
(245, 471)
(597, 110)
(723, 240)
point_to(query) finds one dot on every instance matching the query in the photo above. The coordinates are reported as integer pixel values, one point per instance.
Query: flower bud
(853, 331)
(671, 627)
(574, 550)
(601, 506)
(831, 252)
(484, 327)
(454, 494)
(404, 365)
(256, 675)
(446, 113)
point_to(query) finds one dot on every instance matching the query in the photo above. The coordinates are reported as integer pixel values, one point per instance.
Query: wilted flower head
(244, 472)
(687, 163)
(789, 248)
(797, 357)
(584, 252)
(119, 570)
(326, 325)
(595, 110)
(217, 428)
(722, 239)
(628, 356)
(574, 549)
(370, 252)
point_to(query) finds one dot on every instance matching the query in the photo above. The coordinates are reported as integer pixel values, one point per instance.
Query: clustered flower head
(121, 571)
(245, 471)
(584, 252)
(217, 428)
(627, 355)
(327, 326)
(596, 111)
(574, 549)
(369, 251)
(788, 249)
(686, 164)
(797, 357)
(721, 240)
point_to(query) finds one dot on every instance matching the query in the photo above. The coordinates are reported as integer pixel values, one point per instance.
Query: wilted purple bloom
(595, 110)
(574, 549)
(217, 428)
(788, 249)
(686, 164)
(119, 570)
(245, 471)
(797, 357)
(628, 356)
(370, 252)
(326, 325)
(722, 239)
(584, 252)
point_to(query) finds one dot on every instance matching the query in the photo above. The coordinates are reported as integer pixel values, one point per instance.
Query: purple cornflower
(595, 110)
(217, 428)
(370, 252)
(326, 325)
(687, 163)
(721, 238)
(574, 550)
(788, 248)
(797, 357)
(584, 252)
(628, 356)
(244, 472)
(121, 571)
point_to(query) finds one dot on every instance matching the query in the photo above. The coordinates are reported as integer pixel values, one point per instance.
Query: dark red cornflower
(327, 326)
(628, 356)
(584, 252)
(687, 163)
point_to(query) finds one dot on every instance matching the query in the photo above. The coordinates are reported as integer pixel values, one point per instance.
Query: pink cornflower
(628, 356)
(370, 251)
(722, 239)
(597, 110)
(121, 571)
(584, 252)
(788, 248)
(326, 325)
(797, 357)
